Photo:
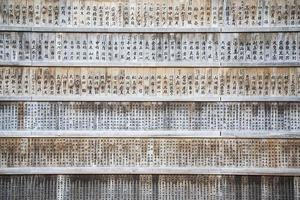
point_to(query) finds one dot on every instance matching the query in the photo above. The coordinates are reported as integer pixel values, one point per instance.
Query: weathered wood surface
(153, 170)
(190, 50)
(156, 84)
(149, 187)
(160, 116)
(224, 134)
(150, 152)
(214, 15)
(150, 49)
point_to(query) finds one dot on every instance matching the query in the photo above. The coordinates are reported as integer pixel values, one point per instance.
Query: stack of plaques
(148, 99)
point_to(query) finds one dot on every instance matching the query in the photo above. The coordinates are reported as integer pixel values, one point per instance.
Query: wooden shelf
(151, 170)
